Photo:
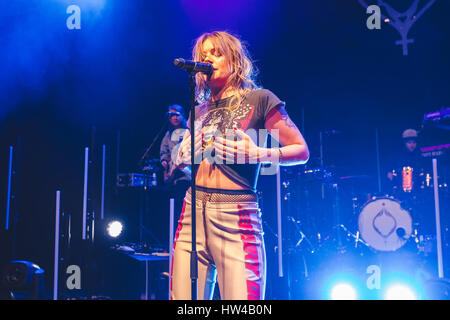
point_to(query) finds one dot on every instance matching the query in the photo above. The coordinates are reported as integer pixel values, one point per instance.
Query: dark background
(110, 83)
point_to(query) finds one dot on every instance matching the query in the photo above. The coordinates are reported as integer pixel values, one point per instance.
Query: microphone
(194, 66)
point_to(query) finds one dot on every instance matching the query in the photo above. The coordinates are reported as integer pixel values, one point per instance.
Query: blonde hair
(243, 72)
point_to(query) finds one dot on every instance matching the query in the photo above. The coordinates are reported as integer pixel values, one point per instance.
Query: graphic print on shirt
(223, 119)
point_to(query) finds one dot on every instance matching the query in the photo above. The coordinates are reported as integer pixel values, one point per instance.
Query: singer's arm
(294, 149)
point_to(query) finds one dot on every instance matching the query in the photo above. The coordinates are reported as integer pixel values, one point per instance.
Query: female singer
(232, 120)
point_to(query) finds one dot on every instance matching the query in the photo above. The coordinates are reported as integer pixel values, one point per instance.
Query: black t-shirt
(405, 158)
(249, 115)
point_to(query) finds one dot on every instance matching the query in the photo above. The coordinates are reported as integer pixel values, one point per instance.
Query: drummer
(409, 155)
(408, 179)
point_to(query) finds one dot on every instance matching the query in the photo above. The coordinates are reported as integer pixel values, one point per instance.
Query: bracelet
(280, 155)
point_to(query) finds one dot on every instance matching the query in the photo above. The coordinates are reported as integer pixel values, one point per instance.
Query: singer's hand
(241, 151)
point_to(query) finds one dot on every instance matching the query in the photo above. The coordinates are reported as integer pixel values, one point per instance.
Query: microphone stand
(151, 145)
(192, 68)
(194, 270)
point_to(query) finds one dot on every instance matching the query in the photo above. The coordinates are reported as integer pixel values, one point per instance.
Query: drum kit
(337, 218)
(336, 224)
(341, 214)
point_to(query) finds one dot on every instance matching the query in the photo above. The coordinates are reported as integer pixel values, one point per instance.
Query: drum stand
(302, 236)
(356, 236)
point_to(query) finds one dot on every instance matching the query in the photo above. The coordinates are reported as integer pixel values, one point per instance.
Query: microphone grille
(178, 62)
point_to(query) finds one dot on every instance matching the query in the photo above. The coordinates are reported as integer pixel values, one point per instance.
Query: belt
(205, 194)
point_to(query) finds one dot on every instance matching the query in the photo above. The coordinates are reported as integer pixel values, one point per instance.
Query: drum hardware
(425, 244)
(318, 174)
(356, 237)
(303, 237)
(306, 184)
(407, 179)
(354, 205)
(427, 180)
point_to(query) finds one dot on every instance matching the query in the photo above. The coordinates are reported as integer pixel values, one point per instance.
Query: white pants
(230, 247)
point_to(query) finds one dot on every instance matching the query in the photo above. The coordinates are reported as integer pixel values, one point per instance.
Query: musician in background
(410, 180)
(177, 181)
(409, 155)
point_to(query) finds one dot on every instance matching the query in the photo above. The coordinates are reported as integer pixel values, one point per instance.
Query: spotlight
(400, 291)
(342, 286)
(23, 280)
(114, 228)
(343, 291)
(402, 286)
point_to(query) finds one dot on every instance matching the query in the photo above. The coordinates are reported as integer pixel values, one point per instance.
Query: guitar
(172, 171)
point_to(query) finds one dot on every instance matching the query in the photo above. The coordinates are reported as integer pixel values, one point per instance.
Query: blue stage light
(343, 291)
(342, 286)
(402, 287)
(400, 291)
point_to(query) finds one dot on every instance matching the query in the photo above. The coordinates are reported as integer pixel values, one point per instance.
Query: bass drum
(384, 225)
